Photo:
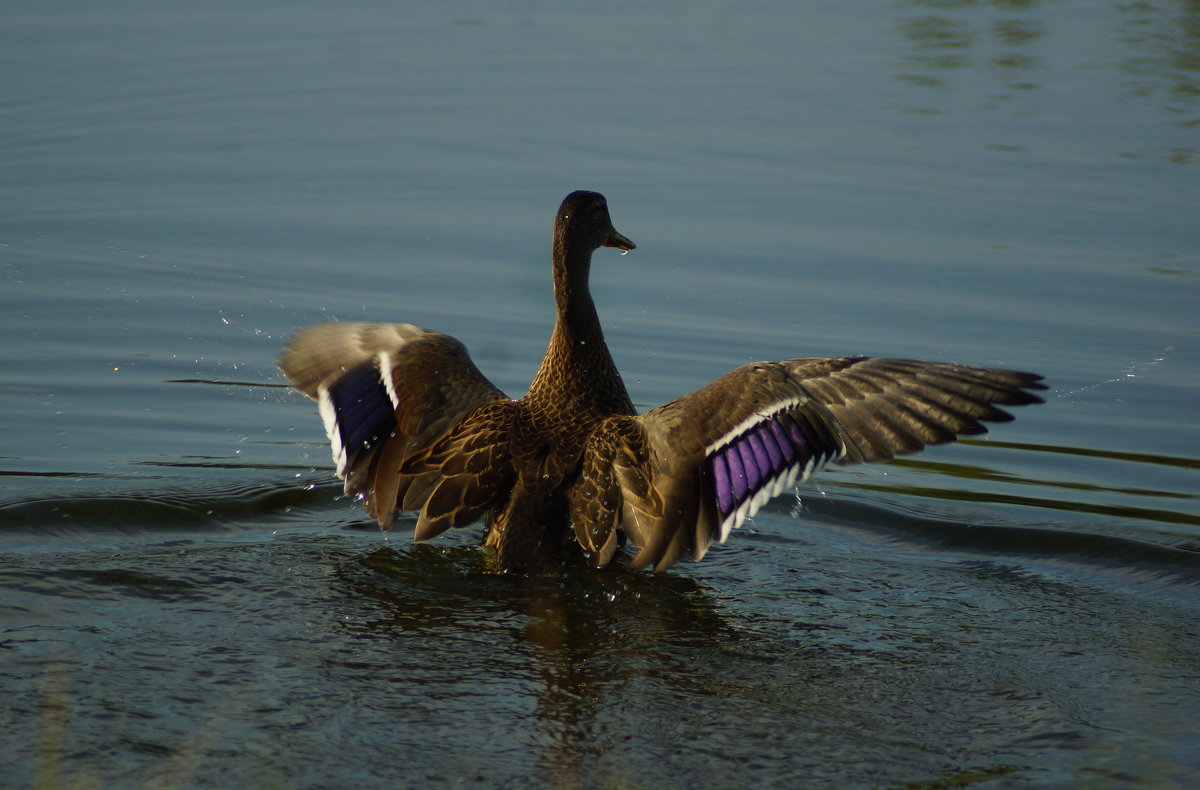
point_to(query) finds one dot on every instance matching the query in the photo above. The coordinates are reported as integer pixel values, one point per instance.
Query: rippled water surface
(187, 602)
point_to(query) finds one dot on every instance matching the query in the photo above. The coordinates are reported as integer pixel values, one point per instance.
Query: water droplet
(624, 252)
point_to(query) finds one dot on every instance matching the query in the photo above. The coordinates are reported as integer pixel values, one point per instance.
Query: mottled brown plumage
(415, 426)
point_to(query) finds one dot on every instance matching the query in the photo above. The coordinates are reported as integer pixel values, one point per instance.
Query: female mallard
(415, 426)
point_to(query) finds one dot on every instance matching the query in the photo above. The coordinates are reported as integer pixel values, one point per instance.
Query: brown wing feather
(890, 407)
(594, 500)
(433, 386)
(619, 489)
(847, 410)
(469, 471)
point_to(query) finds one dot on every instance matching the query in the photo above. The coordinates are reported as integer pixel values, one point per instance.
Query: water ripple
(214, 507)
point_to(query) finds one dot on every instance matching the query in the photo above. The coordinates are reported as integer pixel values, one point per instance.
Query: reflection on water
(1092, 491)
(590, 636)
(941, 42)
(1167, 66)
(414, 663)
(1010, 43)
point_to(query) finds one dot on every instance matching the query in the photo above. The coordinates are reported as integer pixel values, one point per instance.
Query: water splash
(1131, 371)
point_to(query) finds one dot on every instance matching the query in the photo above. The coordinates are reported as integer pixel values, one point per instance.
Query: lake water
(186, 600)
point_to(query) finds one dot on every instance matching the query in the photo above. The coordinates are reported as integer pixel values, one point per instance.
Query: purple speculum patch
(363, 410)
(761, 453)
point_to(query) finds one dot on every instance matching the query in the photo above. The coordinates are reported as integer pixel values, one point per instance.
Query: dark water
(186, 601)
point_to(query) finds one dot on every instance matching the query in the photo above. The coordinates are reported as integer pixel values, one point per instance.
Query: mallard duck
(414, 426)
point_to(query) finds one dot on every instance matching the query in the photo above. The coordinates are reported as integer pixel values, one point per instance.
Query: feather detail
(385, 392)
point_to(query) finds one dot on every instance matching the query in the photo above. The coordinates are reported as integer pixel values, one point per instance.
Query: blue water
(185, 600)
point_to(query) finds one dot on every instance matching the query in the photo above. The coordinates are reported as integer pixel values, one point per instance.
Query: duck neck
(576, 319)
(577, 365)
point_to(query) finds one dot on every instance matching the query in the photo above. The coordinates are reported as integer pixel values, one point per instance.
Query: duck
(571, 469)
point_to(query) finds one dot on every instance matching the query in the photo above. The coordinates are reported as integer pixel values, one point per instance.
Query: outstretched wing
(714, 456)
(385, 393)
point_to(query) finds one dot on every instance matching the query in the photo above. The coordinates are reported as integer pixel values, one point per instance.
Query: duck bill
(622, 243)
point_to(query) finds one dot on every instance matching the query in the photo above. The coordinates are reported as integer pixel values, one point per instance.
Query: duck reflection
(575, 639)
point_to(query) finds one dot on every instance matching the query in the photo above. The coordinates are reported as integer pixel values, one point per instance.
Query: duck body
(415, 426)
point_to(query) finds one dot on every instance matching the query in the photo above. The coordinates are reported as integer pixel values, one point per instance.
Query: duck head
(583, 224)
